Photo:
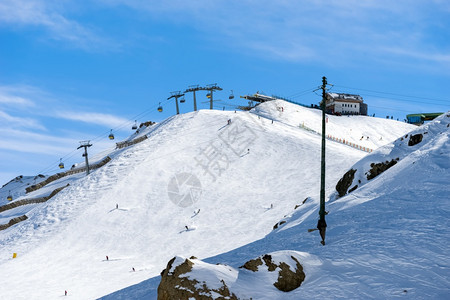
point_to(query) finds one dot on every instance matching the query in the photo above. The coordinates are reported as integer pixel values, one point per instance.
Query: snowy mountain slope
(16, 187)
(409, 146)
(387, 239)
(361, 130)
(242, 169)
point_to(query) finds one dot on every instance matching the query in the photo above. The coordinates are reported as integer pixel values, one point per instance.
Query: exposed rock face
(192, 278)
(13, 221)
(176, 284)
(345, 182)
(278, 224)
(379, 168)
(288, 279)
(352, 189)
(415, 139)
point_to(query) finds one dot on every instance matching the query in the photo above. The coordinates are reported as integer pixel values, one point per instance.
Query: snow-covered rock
(190, 278)
(410, 145)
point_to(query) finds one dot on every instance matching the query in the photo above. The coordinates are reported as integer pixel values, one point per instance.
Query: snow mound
(419, 143)
(268, 276)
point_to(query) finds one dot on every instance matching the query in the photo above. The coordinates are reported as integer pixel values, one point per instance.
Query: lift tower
(176, 95)
(85, 145)
(211, 88)
(193, 89)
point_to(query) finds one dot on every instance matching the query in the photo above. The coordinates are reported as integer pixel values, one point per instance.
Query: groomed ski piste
(251, 174)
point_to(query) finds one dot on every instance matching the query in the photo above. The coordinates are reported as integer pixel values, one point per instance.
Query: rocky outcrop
(415, 139)
(287, 280)
(31, 200)
(191, 278)
(345, 182)
(377, 169)
(13, 221)
(176, 283)
(67, 173)
(147, 124)
(278, 224)
(124, 144)
(26, 202)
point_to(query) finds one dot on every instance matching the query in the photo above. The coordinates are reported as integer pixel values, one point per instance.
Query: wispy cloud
(15, 95)
(102, 119)
(15, 100)
(32, 142)
(49, 15)
(32, 104)
(305, 31)
(7, 120)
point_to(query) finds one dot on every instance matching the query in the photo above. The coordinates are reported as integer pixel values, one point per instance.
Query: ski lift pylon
(61, 164)
(111, 135)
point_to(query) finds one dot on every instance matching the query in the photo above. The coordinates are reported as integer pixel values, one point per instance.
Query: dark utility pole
(85, 145)
(176, 95)
(322, 225)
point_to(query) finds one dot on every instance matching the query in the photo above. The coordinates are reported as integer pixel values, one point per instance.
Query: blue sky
(72, 70)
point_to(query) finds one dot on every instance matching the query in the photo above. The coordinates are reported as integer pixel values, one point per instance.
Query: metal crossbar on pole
(210, 87)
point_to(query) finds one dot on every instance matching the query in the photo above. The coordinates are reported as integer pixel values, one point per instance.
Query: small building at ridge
(345, 104)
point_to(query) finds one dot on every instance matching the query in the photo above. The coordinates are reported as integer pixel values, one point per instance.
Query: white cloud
(15, 100)
(16, 96)
(31, 142)
(48, 15)
(7, 120)
(107, 120)
(319, 31)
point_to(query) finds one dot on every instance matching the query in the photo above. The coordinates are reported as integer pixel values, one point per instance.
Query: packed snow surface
(198, 186)
(387, 239)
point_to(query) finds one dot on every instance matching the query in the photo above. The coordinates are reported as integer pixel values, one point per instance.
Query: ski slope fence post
(346, 142)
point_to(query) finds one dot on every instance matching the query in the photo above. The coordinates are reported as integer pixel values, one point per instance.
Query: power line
(395, 94)
(298, 94)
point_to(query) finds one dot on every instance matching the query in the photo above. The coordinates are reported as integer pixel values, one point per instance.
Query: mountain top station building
(345, 104)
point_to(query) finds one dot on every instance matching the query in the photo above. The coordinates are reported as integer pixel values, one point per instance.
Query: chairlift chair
(61, 164)
(135, 125)
(231, 95)
(182, 100)
(160, 109)
(9, 198)
(208, 95)
(111, 135)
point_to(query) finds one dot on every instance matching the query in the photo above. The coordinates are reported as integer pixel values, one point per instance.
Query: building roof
(345, 97)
